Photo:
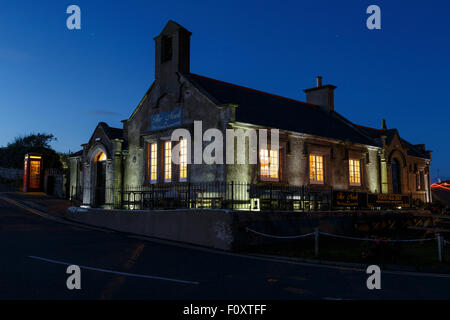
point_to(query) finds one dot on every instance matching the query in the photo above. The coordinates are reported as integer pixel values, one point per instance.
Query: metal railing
(441, 242)
(214, 195)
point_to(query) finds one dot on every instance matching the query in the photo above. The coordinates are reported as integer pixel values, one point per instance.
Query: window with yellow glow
(101, 156)
(269, 164)
(167, 161)
(355, 172)
(153, 168)
(183, 160)
(315, 168)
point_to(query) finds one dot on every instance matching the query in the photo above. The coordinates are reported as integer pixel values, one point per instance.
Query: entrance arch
(396, 176)
(97, 176)
(100, 178)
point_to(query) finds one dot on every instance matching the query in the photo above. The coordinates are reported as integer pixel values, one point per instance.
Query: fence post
(232, 195)
(121, 197)
(316, 242)
(153, 197)
(439, 240)
(331, 199)
(271, 190)
(303, 198)
(410, 200)
(189, 195)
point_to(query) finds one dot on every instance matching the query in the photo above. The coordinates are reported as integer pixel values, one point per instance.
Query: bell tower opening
(172, 52)
(166, 49)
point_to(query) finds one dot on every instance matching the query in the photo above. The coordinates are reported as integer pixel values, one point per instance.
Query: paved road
(207, 274)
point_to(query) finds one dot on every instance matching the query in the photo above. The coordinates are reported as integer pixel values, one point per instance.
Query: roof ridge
(352, 125)
(105, 125)
(366, 127)
(254, 90)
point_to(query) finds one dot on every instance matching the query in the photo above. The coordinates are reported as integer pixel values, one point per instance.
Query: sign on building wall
(166, 120)
(349, 199)
(363, 200)
(382, 199)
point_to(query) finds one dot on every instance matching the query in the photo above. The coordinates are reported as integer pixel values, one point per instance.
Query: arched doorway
(100, 178)
(396, 177)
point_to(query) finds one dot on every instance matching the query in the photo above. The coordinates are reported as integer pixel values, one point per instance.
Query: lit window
(167, 161)
(183, 160)
(355, 172)
(315, 169)
(269, 164)
(101, 156)
(153, 162)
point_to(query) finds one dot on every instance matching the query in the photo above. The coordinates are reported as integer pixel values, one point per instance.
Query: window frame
(183, 166)
(167, 161)
(269, 165)
(350, 167)
(315, 181)
(150, 160)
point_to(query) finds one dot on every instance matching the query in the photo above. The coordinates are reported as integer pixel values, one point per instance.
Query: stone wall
(220, 229)
(11, 173)
(210, 228)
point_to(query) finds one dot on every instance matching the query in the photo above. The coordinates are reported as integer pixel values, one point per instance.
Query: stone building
(318, 148)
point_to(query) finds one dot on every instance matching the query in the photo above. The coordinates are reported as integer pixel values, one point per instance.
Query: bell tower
(172, 51)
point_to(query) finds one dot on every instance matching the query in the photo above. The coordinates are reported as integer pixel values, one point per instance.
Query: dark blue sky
(64, 82)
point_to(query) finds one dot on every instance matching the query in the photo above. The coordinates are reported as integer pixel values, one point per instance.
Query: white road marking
(116, 272)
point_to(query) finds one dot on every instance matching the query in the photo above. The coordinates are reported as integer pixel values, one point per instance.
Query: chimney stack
(319, 81)
(321, 95)
(383, 124)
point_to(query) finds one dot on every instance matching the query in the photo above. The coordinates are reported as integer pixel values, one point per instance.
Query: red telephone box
(32, 173)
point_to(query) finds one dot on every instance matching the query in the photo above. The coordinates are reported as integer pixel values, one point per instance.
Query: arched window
(101, 156)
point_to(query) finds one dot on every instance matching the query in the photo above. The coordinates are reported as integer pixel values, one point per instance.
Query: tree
(12, 156)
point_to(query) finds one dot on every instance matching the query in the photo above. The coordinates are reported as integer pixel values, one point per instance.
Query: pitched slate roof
(377, 133)
(112, 133)
(412, 150)
(75, 154)
(265, 109)
(415, 151)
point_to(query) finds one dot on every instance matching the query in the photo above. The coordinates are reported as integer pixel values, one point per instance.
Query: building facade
(318, 148)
